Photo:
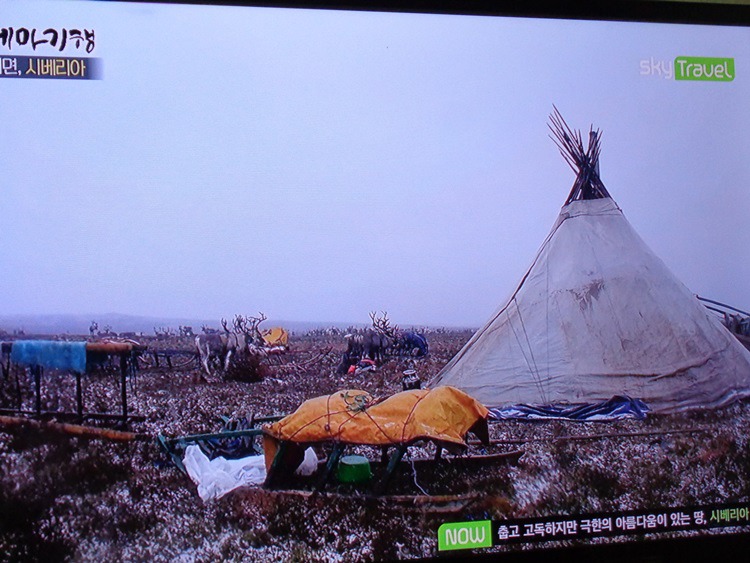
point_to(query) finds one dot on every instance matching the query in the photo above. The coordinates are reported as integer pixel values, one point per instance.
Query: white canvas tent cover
(598, 314)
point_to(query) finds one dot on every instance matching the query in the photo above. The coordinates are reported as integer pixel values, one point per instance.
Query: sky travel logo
(703, 69)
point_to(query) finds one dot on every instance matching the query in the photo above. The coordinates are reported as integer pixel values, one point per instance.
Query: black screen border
(659, 11)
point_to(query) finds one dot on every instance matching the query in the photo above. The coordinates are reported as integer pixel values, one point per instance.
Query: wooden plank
(76, 430)
(110, 347)
(71, 415)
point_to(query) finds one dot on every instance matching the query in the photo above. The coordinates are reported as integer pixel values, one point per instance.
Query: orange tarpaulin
(276, 336)
(443, 414)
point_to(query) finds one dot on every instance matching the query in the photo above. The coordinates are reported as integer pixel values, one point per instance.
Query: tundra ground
(64, 498)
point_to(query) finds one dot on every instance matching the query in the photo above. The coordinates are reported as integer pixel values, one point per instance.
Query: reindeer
(257, 339)
(186, 331)
(108, 333)
(382, 338)
(243, 339)
(371, 343)
(205, 329)
(401, 342)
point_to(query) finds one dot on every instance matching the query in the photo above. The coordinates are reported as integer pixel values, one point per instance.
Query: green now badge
(704, 68)
(465, 535)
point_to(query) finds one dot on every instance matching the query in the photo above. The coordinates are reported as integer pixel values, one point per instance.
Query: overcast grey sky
(318, 165)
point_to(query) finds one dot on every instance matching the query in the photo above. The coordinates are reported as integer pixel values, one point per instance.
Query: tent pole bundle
(584, 162)
(598, 317)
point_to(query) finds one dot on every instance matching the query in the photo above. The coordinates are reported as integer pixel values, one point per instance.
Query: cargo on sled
(347, 420)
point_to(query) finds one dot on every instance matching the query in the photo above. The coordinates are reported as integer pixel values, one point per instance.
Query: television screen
(374, 282)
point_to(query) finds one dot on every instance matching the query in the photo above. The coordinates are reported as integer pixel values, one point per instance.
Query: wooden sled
(280, 474)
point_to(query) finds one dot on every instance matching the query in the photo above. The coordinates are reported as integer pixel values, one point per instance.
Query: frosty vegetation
(89, 500)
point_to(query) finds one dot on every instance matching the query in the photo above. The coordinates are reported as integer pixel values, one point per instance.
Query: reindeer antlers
(244, 323)
(240, 324)
(259, 319)
(383, 324)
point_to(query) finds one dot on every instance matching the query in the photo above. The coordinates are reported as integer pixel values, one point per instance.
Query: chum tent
(598, 315)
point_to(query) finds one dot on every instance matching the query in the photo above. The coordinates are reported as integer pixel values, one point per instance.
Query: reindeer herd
(218, 349)
(377, 343)
(381, 341)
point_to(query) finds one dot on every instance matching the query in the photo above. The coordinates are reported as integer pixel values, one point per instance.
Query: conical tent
(598, 314)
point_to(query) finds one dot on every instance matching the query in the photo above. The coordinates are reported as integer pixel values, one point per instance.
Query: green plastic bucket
(353, 469)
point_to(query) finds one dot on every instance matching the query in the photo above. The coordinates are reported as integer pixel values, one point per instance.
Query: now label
(465, 535)
(704, 68)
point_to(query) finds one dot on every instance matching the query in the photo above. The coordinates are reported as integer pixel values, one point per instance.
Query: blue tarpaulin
(616, 408)
(50, 354)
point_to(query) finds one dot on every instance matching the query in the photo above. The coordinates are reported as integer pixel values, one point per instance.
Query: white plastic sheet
(216, 477)
(309, 464)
